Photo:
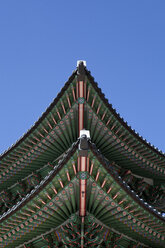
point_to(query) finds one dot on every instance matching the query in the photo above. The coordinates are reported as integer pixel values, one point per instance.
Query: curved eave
(42, 184)
(157, 154)
(102, 96)
(116, 149)
(124, 185)
(34, 127)
(120, 119)
(150, 212)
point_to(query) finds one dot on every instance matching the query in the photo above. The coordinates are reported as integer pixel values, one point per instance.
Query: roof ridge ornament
(81, 65)
(81, 62)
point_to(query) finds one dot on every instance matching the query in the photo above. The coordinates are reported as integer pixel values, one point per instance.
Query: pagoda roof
(146, 160)
(42, 175)
(103, 98)
(119, 208)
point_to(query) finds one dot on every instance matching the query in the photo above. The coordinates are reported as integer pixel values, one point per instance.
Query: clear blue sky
(122, 41)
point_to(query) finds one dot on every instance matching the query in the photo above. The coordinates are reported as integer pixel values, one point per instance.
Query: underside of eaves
(60, 212)
(82, 177)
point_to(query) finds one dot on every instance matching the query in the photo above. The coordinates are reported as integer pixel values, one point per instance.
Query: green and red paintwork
(55, 193)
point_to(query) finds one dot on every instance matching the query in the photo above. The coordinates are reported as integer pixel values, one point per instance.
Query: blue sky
(122, 41)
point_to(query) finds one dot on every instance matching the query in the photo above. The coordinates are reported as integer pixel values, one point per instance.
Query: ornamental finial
(81, 64)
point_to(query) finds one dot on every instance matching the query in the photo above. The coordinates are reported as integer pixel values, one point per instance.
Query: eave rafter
(100, 114)
(156, 152)
(108, 199)
(43, 145)
(64, 183)
(34, 149)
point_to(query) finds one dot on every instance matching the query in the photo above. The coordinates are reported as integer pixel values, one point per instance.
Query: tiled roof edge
(62, 162)
(120, 119)
(37, 123)
(42, 184)
(123, 184)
